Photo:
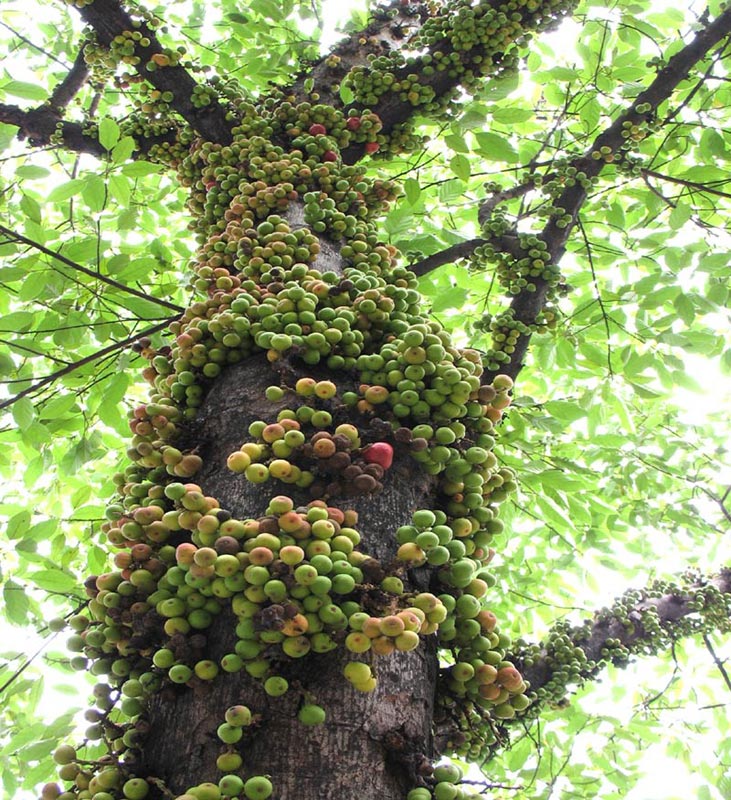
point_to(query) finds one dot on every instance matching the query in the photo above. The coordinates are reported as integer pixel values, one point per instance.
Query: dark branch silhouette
(109, 19)
(42, 126)
(70, 86)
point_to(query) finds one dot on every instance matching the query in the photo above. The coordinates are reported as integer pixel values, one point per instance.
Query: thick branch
(40, 124)
(505, 244)
(377, 39)
(447, 256)
(434, 38)
(526, 306)
(452, 52)
(639, 623)
(109, 19)
(69, 87)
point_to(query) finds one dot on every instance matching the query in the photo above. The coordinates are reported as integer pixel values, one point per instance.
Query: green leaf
(66, 190)
(58, 407)
(31, 172)
(685, 308)
(712, 145)
(565, 410)
(88, 513)
(495, 148)
(563, 74)
(456, 143)
(452, 298)
(55, 580)
(512, 114)
(23, 413)
(504, 86)
(120, 189)
(680, 215)
(123, 150)
(95, 193)
(25, 90)
(138, 169)
(109, 409)
(42, 531)
(267, 8)
(346, 94)
(18, 525)
(460, 166)
(30, 208)
(108, 133)
(16, 603)
(412, 189)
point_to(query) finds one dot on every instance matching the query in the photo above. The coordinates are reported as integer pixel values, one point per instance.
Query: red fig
(379, 453)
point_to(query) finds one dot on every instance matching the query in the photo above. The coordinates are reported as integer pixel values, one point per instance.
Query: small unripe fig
(258, 788)
(311, 714)
(64, 754)
(136, 789)
(238, 716)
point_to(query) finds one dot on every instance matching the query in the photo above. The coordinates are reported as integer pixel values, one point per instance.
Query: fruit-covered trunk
(307, 516)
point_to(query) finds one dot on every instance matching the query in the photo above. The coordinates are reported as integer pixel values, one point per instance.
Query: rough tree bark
(377, 740)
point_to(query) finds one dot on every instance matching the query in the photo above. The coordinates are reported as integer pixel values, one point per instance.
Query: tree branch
(17, 237)
(40, 124)
(493, 201)
(108, 18)
(38, 385)
(32, 44)
(447, 256)
(377, 39)
(640, 622)
(42, 127)
(694, 185)
(69, 87)
(643, 622)
(717, 661)
(450, 57)
(527, 305)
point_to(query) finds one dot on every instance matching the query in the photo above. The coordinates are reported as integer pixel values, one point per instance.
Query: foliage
(617, 430)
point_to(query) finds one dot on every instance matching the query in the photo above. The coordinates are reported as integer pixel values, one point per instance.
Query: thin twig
(82, 362)
(17, 237)
(34, 46)
(595, 281)
(717, 661)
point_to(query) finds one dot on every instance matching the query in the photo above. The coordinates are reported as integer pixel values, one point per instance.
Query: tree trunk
(373, 744)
